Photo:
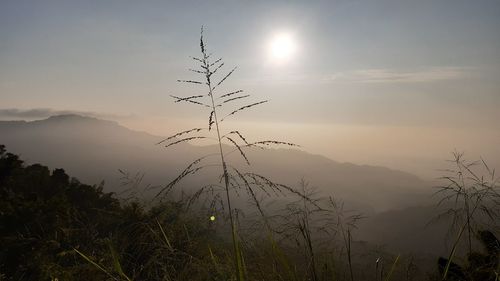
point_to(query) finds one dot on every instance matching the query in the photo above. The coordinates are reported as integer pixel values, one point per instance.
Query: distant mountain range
(94, 150)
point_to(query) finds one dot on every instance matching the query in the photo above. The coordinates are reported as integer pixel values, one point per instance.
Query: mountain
(94, 150)
(408, 230)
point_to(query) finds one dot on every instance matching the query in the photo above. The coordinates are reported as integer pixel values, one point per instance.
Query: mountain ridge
(94, 149)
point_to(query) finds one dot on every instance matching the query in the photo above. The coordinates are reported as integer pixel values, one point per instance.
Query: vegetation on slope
(52, 227)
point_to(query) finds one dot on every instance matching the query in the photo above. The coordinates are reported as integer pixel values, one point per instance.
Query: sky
(390, 82)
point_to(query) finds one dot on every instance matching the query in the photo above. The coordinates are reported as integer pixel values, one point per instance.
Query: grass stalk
(391, 271)
(88, 259)
(237, 251)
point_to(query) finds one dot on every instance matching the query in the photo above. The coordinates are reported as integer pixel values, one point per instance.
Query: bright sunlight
(282, 47)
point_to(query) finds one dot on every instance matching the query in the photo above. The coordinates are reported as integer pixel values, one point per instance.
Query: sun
(282, 47)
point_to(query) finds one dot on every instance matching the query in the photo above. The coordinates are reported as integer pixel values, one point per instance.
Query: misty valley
(377, 222)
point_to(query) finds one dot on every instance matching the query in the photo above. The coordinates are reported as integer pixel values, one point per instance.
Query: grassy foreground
(52, 227)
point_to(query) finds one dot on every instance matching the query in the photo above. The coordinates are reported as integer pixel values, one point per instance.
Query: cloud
(378, 75)
(37, 113)
(371, 75)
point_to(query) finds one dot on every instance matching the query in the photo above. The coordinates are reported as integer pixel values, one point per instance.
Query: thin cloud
(378, 75)
(37, 113)
(372, 75)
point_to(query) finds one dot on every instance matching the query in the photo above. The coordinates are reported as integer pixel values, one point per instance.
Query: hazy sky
(396, 83)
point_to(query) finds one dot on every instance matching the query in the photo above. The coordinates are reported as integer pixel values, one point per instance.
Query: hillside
(94, 150)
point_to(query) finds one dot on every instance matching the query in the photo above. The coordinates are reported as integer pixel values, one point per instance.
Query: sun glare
(282, 47)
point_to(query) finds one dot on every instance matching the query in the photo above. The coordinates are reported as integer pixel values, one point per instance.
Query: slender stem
(349, 239)
(238, 264)
(469, 230)
(453, 250)
(307, 234)
(466, 202)
(347, 242)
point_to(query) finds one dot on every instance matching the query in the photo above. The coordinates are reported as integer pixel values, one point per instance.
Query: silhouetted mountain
(94, 150)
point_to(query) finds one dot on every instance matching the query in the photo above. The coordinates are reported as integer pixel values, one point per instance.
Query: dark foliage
(481, 266)
(45, 215)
